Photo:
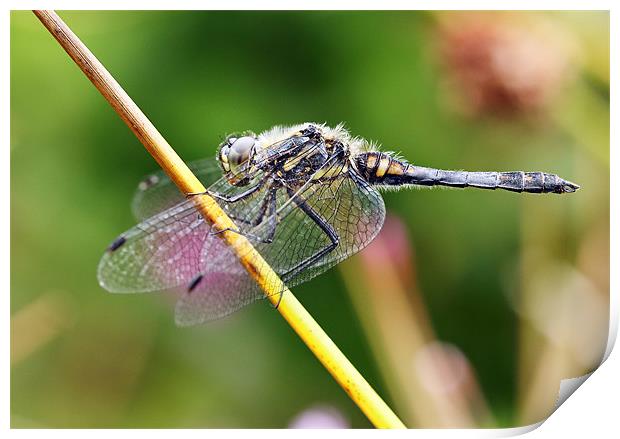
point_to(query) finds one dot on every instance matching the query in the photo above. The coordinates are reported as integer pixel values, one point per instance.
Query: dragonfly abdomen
(382, 169)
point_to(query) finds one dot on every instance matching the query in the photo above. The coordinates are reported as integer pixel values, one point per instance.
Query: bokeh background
(466, 311)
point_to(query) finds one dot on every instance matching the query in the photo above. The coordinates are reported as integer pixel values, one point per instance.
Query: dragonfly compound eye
(240, 151)
(234, 152)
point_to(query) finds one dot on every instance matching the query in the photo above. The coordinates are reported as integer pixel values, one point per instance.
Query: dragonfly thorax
(309, 155)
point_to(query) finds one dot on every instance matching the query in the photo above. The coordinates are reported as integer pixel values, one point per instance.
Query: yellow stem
(289, 307)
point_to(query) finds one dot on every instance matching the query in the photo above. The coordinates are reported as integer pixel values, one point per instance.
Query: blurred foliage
(85, 358)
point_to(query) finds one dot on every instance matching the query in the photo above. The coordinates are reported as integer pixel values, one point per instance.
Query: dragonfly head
(235, 156)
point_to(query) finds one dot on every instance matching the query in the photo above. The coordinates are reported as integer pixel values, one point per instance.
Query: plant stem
(289, 307)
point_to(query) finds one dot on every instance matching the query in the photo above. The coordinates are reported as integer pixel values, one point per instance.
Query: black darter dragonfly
(305, 196)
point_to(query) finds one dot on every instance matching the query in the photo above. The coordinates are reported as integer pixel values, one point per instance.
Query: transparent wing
(353, 209)
(156, 193)
(169, 249)
(159, 253)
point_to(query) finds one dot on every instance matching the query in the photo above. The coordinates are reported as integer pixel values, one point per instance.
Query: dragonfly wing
(218, 294)
(224, 285)
(174, 248)
(354, 210)
(156, 193)
(161, 252)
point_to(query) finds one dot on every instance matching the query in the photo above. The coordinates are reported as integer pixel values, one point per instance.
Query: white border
(593, 407)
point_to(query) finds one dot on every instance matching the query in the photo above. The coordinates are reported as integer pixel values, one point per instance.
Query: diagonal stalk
(289, 307)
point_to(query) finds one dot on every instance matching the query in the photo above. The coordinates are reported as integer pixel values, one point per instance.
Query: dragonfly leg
(232, 199)
(280, 294)
(269, 204)
(325, 226)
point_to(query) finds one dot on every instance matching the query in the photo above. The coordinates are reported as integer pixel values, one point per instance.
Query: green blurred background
(495, 298)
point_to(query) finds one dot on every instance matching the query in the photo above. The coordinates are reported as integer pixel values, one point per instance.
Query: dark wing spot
(194, 283)
(117, 243)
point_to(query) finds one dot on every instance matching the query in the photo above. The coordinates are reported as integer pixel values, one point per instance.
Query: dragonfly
(306, 197)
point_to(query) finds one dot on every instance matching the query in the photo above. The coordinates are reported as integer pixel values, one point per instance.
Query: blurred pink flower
(391, 247)
(320, 417)
(442, 367)
(503, 63)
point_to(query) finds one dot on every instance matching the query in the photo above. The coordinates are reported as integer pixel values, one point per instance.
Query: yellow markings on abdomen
(384, 164)
(380, 166)
(396, 168)
(371, 161)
